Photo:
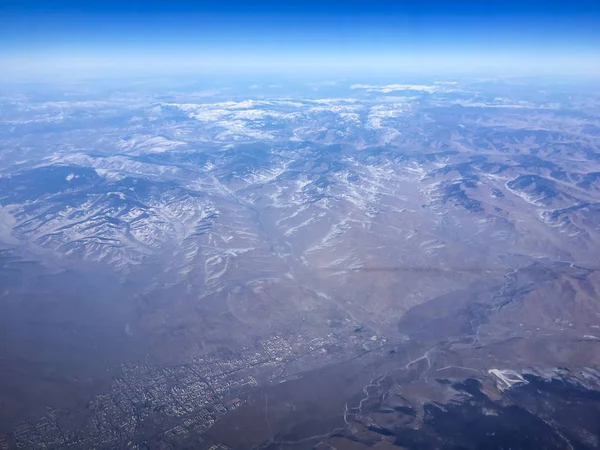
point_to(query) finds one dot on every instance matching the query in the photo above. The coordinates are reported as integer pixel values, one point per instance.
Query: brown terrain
(386, 271)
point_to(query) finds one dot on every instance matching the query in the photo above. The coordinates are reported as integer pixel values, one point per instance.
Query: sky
(332, 37)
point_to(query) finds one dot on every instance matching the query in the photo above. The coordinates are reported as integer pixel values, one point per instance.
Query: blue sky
(335, 7)
(342, 36)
